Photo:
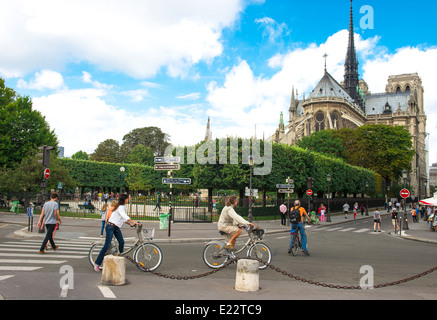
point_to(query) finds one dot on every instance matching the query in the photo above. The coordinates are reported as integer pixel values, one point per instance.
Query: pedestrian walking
(158, 202)
(322, 212)
(355, 210)
(103, 212)
(362, 208)
(394, 219)
(376, 220)
(415, 213)
(283, 209)
(49, 216)
(346, 209)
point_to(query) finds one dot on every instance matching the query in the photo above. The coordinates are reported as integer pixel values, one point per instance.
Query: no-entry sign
(47, 173)
(405, 193)
(310, 193)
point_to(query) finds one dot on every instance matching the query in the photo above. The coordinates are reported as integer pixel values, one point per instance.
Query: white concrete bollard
(247, 279)
(114, 271)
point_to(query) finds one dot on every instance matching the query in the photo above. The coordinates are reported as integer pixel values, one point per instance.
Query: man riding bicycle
(228, 220)
(297, 213)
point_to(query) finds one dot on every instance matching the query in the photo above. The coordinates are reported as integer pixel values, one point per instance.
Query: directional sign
(167, 159)
(310, 192)
(165, 167)
(284, 186)
(405, 193)
(47, 173)
(176, 181)
(286, 191)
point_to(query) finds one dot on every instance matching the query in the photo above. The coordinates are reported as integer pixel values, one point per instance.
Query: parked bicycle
(147, 255)
(215, 255)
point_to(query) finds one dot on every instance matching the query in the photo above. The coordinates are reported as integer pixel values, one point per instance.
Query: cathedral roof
(329, 87)
(376, 103)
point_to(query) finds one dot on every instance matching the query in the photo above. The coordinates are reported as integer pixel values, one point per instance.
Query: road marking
(4, 226)
(107, 292)
(31, 245)
(333, 229)
(64, 291)
(15, 268)
(38, 255)
(362, 230)
(345, 230)
(286, 237)
(32, 261)
(6, 277)
(33, 250)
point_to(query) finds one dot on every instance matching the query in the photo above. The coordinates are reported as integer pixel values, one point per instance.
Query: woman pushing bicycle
(114, 223)
(228, 222)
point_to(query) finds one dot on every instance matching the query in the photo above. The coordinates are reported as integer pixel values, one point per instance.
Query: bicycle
(215, 255)
(295, 242)
(147, 255)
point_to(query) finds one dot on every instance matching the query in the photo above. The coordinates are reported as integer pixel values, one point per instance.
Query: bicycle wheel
(214, 255)
(260, 251)
(149, 256)
(97, 247)
(295, 243)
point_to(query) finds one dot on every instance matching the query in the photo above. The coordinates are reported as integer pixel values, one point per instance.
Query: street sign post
(405, 193)
(176, 181)
(286, 191)
(166, 167)
(284, 186)
(167, 159)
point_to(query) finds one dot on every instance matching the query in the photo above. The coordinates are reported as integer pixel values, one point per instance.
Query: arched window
(398, 89)
(408, 88)
(320, 121)
(335, 117)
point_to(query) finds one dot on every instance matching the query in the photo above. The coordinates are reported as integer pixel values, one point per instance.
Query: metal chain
(271, 266)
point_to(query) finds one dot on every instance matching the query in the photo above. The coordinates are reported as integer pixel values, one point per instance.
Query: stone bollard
(114, 271)
(247, 279)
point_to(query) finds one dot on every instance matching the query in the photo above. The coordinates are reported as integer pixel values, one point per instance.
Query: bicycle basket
(148, 233)
(258, 233)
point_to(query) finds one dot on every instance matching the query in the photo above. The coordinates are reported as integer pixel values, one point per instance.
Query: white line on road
(345, 230)
(38, 255)
(362, 230)
(16, 268)
(32, 261)
(107, 292)
(6, 277)
(64, 291)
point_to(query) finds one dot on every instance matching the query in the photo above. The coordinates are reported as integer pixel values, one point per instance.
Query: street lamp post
(328, 216)
(290, 182)
(251, 164)
(405, 177)
(122, 169)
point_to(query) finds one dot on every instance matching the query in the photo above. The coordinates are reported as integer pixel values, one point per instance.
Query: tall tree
(151, 137)
(107, 151)
(22, 129)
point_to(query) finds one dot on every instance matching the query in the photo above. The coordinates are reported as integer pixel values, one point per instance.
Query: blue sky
(99, 69)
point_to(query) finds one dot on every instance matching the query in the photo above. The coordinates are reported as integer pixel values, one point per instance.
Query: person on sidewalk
(394, 219)
(49, 217)
(228, 220)
(283, 209)
(376, 220)
(346, 209)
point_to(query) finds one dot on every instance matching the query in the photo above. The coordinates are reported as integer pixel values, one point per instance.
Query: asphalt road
(337, 255)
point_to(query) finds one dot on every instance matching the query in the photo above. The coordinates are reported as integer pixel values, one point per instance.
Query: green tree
(80, 155)
(151, 137)
(141, 154)
(22, 129)
(107, 151)
(324, 142)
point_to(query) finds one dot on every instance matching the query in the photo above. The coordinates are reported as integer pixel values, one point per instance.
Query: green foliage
(80, 155)
(22, 129)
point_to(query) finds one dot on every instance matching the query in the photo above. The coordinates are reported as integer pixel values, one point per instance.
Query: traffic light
(45, 155)
(310, 183)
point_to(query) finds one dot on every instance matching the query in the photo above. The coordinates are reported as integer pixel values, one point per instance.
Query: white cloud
(273, 30)
(46, 79)
(190, 96)
(135, 37)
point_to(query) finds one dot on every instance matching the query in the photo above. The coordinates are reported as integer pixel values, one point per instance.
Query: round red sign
(405, 193)
(310, 192)
(47, 173)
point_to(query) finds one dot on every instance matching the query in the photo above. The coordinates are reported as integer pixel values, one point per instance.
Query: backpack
(295, 216)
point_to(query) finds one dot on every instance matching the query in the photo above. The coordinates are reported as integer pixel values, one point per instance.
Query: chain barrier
(285, 273)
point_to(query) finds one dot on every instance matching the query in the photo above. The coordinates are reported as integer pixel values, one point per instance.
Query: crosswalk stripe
(333, 229)
(26, 261)
(16, 268)
(38, 255)
(6, 277)
(33, 250)
(362, 230)
(345, 230)
(107, 292)
(62, 247)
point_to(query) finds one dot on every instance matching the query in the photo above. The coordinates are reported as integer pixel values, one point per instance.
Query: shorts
(229, 230)
(377, 220)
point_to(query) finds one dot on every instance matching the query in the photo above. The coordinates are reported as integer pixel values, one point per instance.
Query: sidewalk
(79, 228)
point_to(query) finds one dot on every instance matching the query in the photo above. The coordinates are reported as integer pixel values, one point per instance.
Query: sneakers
(230, 247)
(97, 268)
(42, 252)
(305, 252)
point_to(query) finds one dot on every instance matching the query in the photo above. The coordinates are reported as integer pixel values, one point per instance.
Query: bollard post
(247, 278)
(114, 271)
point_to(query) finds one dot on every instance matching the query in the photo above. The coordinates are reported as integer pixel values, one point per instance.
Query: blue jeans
(110, 231)
(301, 228)
(103, 227)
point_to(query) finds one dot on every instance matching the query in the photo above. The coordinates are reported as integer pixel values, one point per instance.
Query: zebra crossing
(345, 229)
(22, 255)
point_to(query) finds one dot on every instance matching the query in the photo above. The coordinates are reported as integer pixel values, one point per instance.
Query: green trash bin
(163, 221)
(15, 206)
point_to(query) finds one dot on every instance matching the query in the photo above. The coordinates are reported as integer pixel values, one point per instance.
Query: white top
(119, 216)
(229, 216)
